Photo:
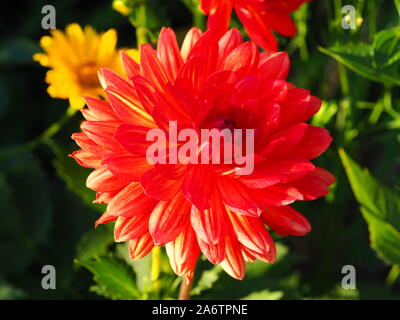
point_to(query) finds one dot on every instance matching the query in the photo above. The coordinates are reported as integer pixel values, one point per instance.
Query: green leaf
(325, 114)
(114, 278)
(141, 267)
(74, 176)
(359, 57)
(264, 295)
(10, 292)
(207, 280)
(387, 47)
(18, 51)
(95, 243)
(380, 207)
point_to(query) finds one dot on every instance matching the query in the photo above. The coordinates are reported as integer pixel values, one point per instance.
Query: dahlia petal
(298, 106)
(131, 67)
(86, 144)
(133, 138)
(102, 180)
(158, 186)
(285, 221)
(102, 133)
(86, 159)
(151, 67)
(314, 142)
(140, 247)
(210, 224)
(190, 40)
(98, 110)
(110, 79)
(183, 253)
(228, 42)
(197, 187)
(243, 59)
(105, 197)
(106, 217)
(275, 66)
(129, 110)
(131, 201)
(251, 233)
(215, 253)
(168, 53)
(127, 228)
(277, 195)
(168, 219)
(218, 18)
(257, 28)
(127, 166)
(315, 184)
(283, 142)
(233, 263)
(281, 23)
(270, 172)
(236, 197)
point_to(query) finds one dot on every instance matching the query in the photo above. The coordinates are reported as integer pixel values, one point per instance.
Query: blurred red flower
(210, 82)
(259, 17)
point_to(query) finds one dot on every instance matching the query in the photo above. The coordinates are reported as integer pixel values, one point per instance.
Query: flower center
(87, 75)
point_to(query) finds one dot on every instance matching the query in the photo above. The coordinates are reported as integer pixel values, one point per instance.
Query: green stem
(198, 18)
(155, 270)
(47, 134)
(184, 290)
(141, 25)
(387, 102)
(393, 275)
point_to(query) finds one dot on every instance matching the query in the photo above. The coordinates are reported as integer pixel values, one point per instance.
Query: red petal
(236, 197)
(140, 247)
(286, 221)
(127, 228)
(233, 263)
(133, 138)
(243, 59)
(129, 109)
(183, 253)
(168, 219)
(190, 40)
(197, 186)
(98, 110)
(168, 52)
(103, 180)
(215, 253)
(210, 224)
(257, 28)
(269, 173)
(252, 234)
(314, 142)
(131, 67)
(275, 66)
(86, 159)
(106, 217)
(315, 184)
(158, 186)
(102, 133)
(131, 201)
(151, 68)
(277, 195)
(127, 166)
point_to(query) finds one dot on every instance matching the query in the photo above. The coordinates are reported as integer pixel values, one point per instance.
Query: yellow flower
(74, 58)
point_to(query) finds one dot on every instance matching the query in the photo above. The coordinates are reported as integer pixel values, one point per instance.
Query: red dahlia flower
(259, 17)
(209, 83)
